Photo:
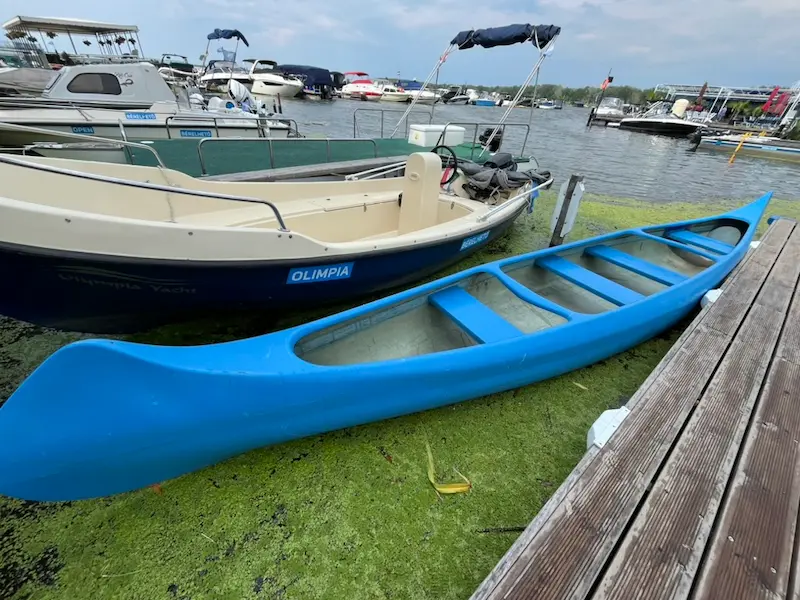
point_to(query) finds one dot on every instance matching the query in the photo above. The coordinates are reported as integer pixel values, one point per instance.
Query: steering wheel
(447, 177)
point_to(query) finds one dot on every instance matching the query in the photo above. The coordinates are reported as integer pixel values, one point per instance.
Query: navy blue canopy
(227, 34)
(312, 75)
(506, 36)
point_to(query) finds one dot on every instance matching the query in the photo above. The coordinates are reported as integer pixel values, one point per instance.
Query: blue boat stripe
(477, 319)
(636, 265)
(529, 296)
(701, 241)
(667, 242)
(597, 284)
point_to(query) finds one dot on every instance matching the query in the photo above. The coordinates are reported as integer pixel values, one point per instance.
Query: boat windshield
(56, 76)
(611, 102)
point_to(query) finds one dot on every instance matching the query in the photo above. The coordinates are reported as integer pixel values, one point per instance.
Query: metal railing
(513, 199)
(477, 126)
(383, 112)
(262, 123)
(271, 145)
(376, 171)
(77, 136)
(145, 186)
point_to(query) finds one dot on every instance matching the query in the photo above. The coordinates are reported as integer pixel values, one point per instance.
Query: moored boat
(121, 416)
(127, 247)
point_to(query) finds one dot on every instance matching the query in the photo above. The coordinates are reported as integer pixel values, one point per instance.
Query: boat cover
(227, 34)
(313, 75)
(498, 174)
(519, 33)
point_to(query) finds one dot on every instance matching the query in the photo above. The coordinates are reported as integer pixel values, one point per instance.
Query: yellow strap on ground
(445, 488)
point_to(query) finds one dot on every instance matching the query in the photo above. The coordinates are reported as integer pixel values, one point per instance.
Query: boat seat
(477, 319)
(635, 265)
(592, 282)
(701, 241)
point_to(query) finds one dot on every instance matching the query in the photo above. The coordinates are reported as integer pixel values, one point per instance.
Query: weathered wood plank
(565, 547)
(660, 554)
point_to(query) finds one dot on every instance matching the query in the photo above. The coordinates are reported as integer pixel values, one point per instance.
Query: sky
(645, 42)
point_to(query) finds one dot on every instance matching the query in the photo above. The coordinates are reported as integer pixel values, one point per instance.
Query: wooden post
(564, 214)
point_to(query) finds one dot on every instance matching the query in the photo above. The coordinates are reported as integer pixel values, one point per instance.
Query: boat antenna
(430, 76)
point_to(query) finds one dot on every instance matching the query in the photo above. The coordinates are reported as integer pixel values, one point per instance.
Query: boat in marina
(416, 93)
(487, 329)
(214, 245)
(610, 108)
(360, 87)
(163, 119)
(268, 79)
(661, 119)
(392, 93)
(317, 83)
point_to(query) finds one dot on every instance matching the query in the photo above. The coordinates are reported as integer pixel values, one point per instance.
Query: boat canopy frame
(542, 37)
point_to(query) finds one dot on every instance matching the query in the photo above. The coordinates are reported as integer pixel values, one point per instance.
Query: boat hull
(781, 151)
(181, 409)
(672, 129)
(108, 294)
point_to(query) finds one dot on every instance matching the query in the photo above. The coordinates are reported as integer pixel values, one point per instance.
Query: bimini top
(519, 33)
(227, 34)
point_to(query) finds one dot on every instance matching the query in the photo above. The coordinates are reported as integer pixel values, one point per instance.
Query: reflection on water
(614, 162)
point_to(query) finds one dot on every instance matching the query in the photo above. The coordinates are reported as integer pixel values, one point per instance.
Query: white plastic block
(605, 426)
(710, 297)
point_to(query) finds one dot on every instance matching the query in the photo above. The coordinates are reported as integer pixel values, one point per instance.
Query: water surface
(614, 162)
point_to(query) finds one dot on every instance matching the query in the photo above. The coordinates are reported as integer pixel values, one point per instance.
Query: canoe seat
(477, 319)
(701, 241)
(605, 288)
(635, 265)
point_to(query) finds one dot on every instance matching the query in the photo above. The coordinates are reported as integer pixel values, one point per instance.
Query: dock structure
(696, 494)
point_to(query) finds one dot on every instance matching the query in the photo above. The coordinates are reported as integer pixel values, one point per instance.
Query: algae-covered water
(350, 514)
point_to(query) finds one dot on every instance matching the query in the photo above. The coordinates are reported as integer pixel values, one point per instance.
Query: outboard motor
(496, 141)
(241, 96)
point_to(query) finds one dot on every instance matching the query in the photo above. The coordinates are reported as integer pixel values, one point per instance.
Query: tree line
(586, 94)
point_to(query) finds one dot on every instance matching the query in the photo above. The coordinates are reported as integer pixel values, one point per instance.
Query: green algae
(349, 514)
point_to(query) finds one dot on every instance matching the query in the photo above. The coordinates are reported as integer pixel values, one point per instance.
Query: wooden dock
(697, 493)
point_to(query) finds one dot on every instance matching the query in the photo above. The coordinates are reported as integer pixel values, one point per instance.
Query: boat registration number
(83, 129)
(196, 133)
(140, 116)
(475, 239)
(320, 273)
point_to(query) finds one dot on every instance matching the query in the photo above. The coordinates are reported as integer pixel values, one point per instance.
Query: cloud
(645, 41)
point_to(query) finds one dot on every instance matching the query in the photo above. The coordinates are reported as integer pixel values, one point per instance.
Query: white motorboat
(218, 73)
(162, 120)
(361, 88)
(391, 93)
(415, 91)
(124, 244)
(268, 80)
(134, 86)
(660, 120)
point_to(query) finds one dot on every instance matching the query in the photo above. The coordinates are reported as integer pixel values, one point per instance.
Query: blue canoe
(101, 417)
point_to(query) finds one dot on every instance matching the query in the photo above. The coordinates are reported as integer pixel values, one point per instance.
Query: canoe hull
(120, 416)
(107, 294)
